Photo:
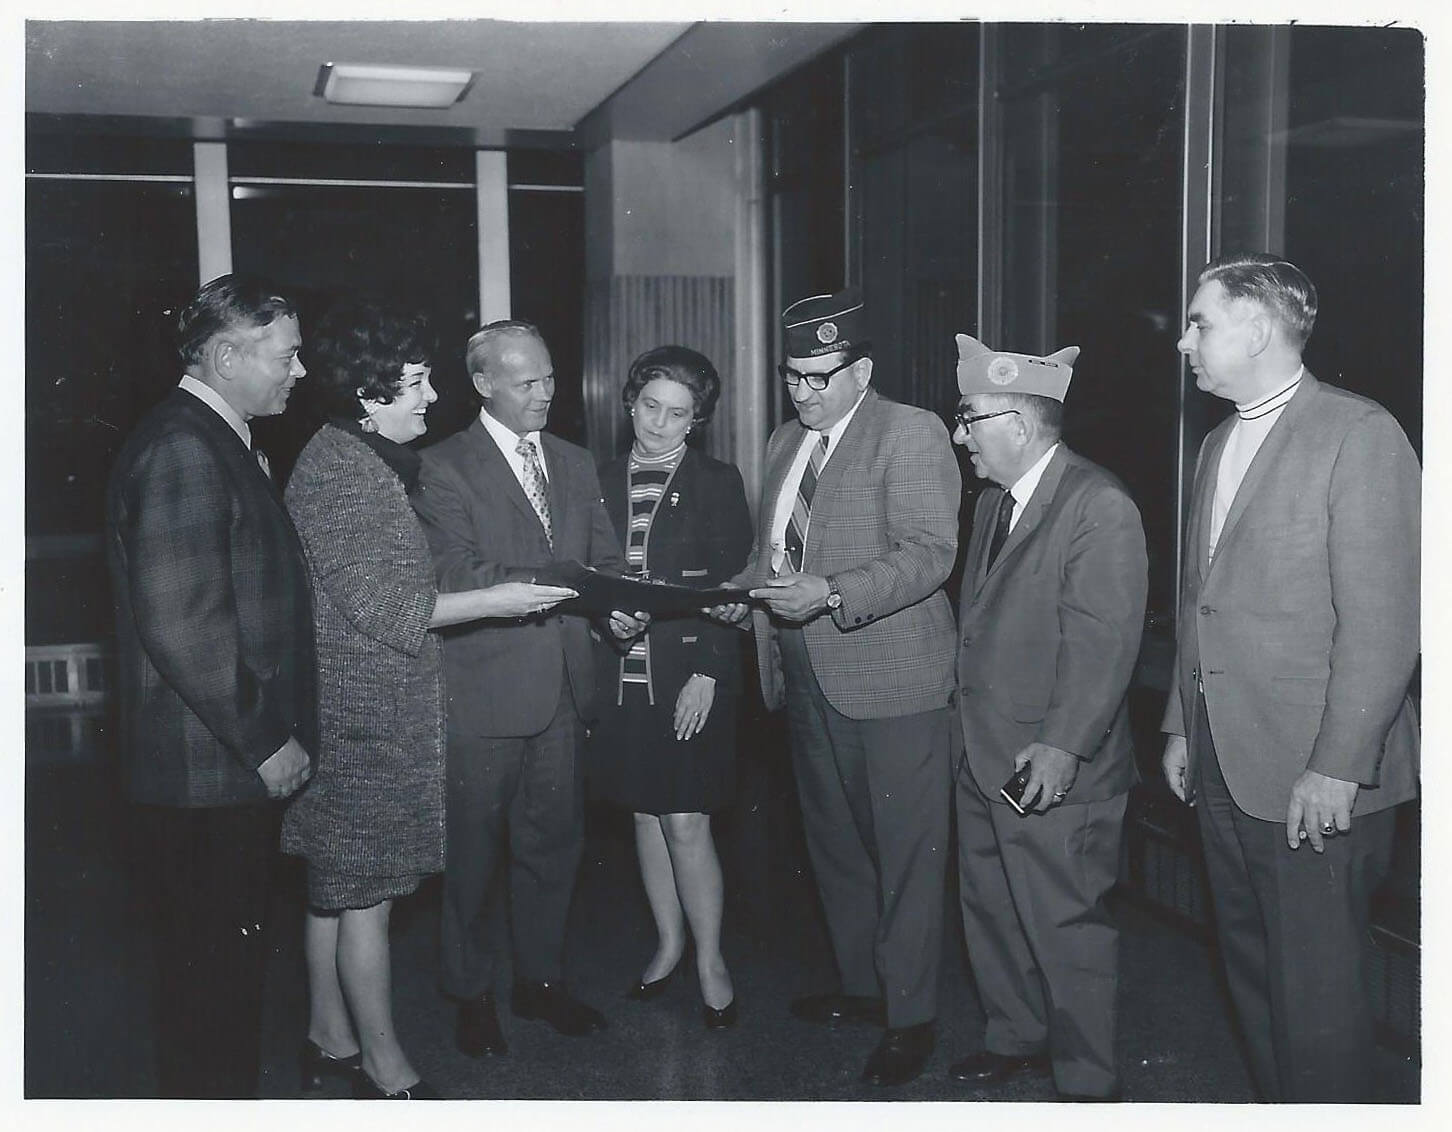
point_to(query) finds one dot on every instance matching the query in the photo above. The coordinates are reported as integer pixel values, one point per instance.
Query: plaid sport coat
(884, 526)
(213, 611)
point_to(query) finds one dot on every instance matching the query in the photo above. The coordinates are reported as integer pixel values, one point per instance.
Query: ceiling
(559, 84)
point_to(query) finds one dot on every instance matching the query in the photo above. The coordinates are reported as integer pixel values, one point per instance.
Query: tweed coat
(506, 678)
(884, 526)
(1305, 627)
(375, 806)
(1050, 632)
(213, 613)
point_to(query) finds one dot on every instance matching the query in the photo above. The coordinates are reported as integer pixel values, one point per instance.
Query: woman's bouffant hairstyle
(679, 364)
(358, 353)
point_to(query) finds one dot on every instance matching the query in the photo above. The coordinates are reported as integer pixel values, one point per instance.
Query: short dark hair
(227, 302)
(1276, 284)
(1048, 413)
(682, 365)
(358, 352)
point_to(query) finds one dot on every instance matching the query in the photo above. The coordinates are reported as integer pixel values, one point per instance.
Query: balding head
(511, 369)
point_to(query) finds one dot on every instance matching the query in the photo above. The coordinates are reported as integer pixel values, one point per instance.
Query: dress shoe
(549, 1002)
(988, 1068)
(644, 992)
(900, 1055)
(314, 1062)
(366, 1089)
(833, 1009)
(477, 1033)
(722, 1019)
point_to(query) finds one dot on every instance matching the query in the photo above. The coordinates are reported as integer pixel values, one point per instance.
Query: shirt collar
(1023, 487)
(1252, 410)
(834, 434)
(504, 436)
(218, 404)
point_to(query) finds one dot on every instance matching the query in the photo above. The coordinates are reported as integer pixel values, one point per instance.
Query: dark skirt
(635, 760)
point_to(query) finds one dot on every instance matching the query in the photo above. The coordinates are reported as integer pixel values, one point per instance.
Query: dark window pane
(107, 266)
(88, 153)
(415, 248)
(1354, 166)
(546, 167)
(309, 161)
(547, 273)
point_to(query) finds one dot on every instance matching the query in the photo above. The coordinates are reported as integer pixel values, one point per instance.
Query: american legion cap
(981, 370)
(824, 324)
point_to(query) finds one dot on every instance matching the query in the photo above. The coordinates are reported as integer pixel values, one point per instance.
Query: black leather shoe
(644, 992)
(477, 1033)
(900, 1055)
(834, 1009)
(549, 1002)
(988, 1068)
(314, 1063)
(366, 1089)
(722, 1019)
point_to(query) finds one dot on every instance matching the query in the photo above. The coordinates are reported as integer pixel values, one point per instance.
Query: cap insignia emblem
(827, 333)
(1003, 371)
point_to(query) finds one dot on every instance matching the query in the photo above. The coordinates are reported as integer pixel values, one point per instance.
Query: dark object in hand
(1013, 789)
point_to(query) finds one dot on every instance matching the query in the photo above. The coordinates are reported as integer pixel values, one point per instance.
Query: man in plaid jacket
(857, 533)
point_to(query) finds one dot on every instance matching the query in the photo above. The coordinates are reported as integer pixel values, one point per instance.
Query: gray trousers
(874, 798)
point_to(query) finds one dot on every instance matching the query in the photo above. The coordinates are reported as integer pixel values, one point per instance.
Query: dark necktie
(1000, 529)
(796, 530)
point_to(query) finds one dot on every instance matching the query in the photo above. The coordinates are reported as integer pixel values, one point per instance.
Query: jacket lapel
(1270, 451)
(1033, 514)
(495, 471)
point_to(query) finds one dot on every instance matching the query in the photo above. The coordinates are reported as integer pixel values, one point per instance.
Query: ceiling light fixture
(368, 84)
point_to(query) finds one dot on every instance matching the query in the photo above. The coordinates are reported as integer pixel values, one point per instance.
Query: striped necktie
(536, 487)
(796, 529)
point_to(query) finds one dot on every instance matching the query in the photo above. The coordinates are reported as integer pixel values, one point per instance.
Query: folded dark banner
(602, 593)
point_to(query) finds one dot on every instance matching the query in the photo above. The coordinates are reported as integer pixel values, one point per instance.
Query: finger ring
(1328, 828)
(1061, 793)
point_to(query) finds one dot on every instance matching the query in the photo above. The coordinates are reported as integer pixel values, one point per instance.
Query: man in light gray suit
(1289, 725)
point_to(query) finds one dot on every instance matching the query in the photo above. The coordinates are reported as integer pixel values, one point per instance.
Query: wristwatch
(834, 597)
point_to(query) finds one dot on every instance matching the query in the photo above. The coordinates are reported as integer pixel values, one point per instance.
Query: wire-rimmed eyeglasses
(968, 420)
(816, 381)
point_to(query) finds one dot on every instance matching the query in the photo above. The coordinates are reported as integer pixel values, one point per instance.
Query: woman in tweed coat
(371, 822)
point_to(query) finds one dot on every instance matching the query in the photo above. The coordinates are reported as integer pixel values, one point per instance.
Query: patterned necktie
(536, 487)
(796, 529)
(1000, 529)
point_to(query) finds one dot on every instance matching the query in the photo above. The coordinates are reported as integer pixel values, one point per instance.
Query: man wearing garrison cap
(1053, 602)
(1289, 724)
(857, 533)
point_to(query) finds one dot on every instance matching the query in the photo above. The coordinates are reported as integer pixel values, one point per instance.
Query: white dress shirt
(215, 401)
(788, 497)
(508, 440)
(1024, 487)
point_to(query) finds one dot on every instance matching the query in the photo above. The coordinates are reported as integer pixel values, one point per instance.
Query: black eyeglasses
(968, 420)
(815, 381)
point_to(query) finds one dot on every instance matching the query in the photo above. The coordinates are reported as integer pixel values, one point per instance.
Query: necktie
(1000, 529)
(796, 530)
(535, 487)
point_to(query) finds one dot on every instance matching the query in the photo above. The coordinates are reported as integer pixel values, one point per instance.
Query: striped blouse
(649, 477)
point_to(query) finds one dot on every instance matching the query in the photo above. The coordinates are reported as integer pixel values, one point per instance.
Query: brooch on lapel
(675, 498)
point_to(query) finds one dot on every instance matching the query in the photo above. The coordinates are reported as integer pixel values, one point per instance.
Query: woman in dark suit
(665, 741)
(371, 821)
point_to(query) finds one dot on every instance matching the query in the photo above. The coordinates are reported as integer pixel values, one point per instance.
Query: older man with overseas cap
(1053, 605)
(857, 532)
(1289, 721)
